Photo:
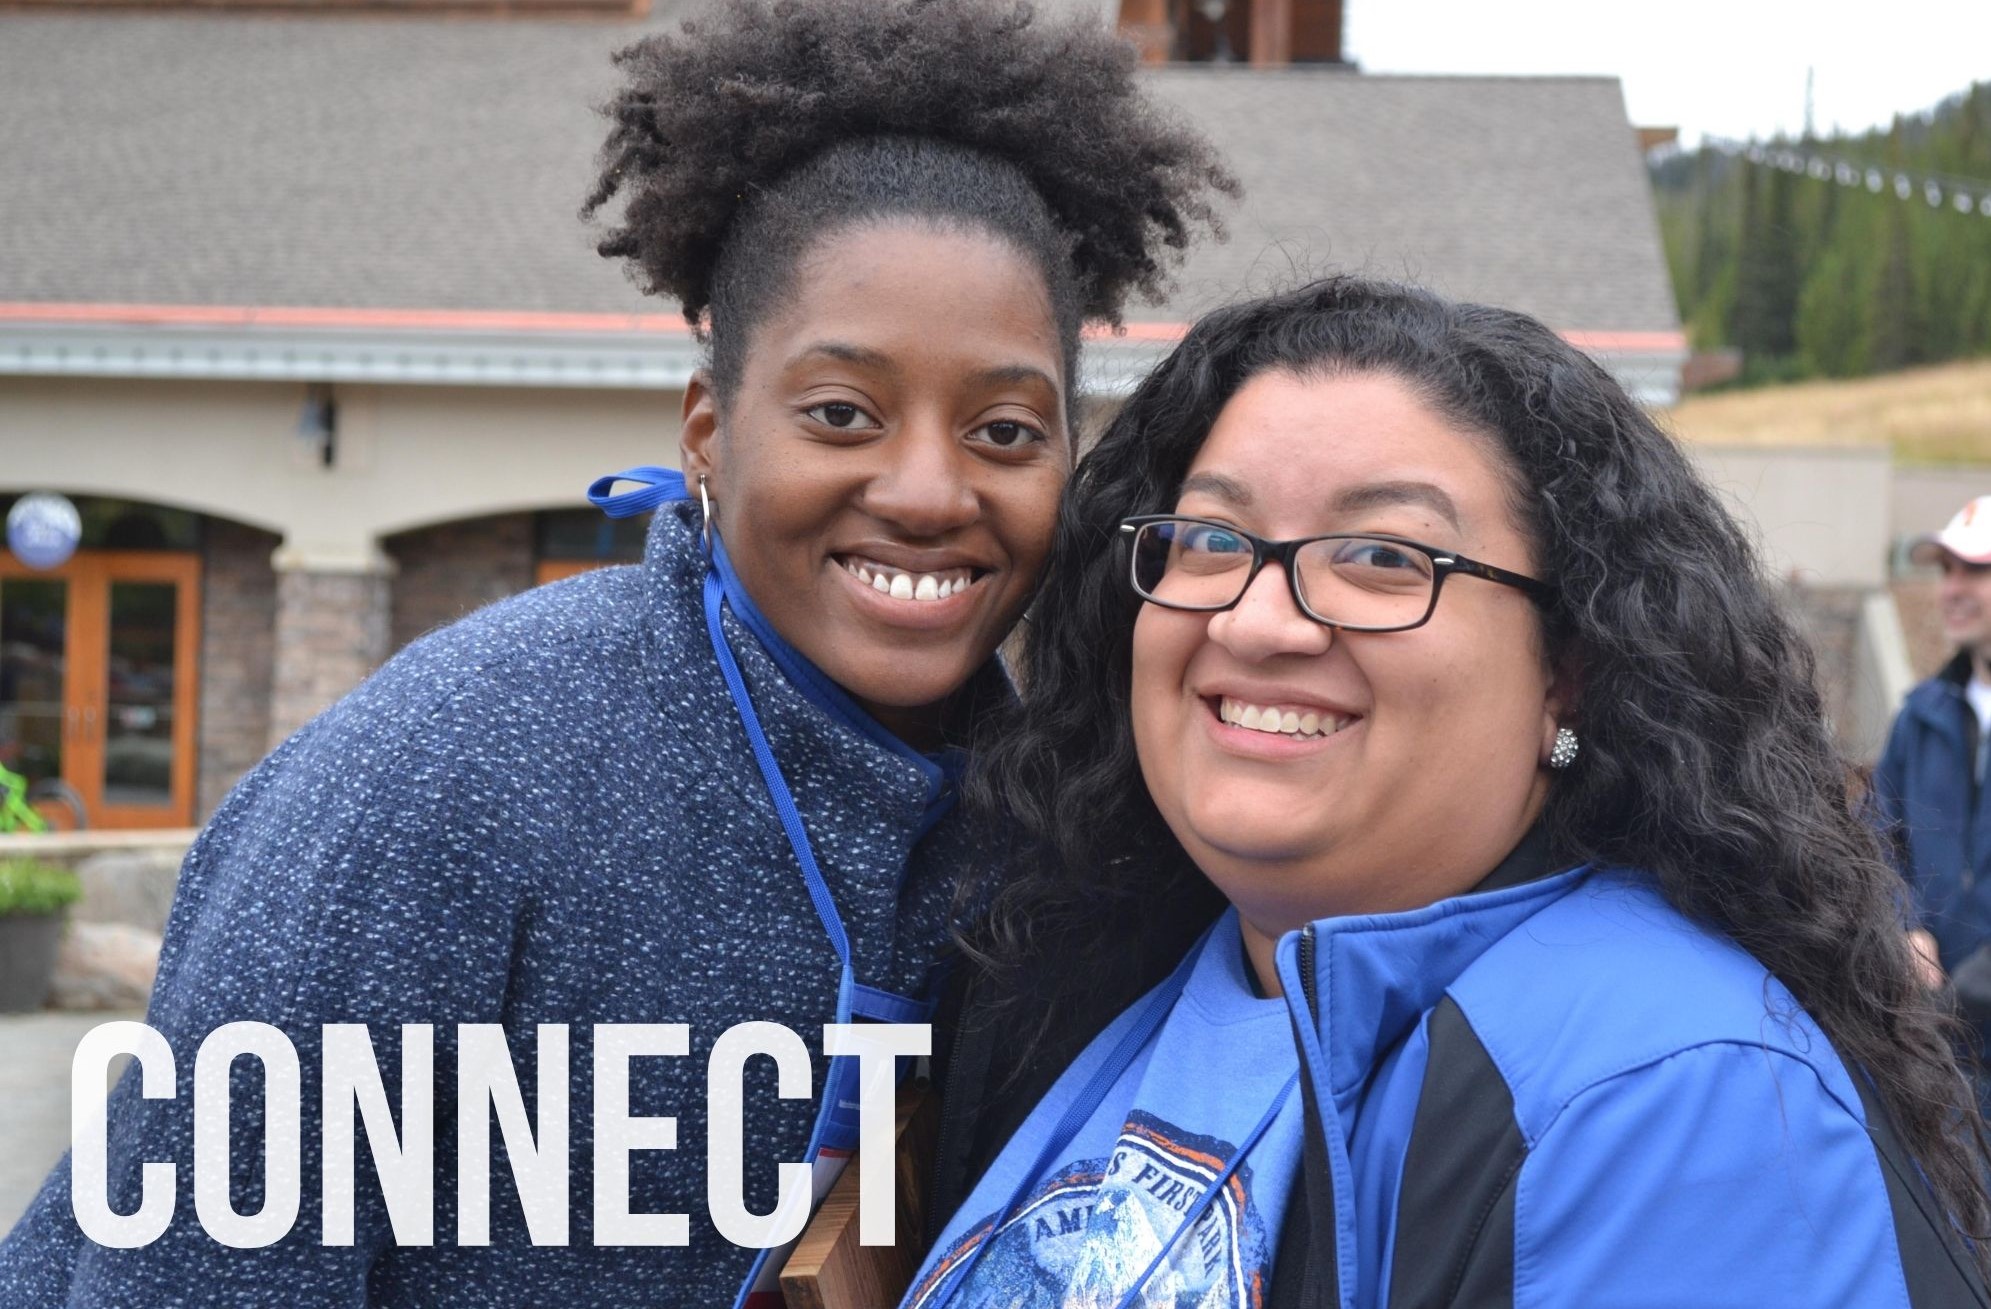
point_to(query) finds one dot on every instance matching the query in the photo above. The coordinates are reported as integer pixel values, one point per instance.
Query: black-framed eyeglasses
(1358, 582)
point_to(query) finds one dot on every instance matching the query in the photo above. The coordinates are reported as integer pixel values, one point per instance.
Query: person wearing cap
(1929, 789)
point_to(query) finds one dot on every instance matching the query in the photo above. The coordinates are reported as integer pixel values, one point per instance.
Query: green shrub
(30, 887)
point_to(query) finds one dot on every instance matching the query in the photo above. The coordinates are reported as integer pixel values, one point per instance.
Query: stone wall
(279, 644)
(128, 877)
(448, 570)
(1830, 618)
(109, 953)
(331, 631)
(1922, 623)
(238, 648)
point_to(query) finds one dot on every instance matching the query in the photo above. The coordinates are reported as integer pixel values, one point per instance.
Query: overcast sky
(1720, 67)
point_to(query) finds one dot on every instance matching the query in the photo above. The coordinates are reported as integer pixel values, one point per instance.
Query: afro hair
(712, 119)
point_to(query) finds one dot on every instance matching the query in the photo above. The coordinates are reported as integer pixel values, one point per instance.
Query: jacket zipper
(1307, 972)
(1329, 1293)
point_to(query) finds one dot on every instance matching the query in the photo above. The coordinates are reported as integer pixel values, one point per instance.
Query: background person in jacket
(1929, 786)
(1556, 968)
(890, 219)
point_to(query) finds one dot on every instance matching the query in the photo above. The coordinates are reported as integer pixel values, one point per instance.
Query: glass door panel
(97, 680)
(34, 660)
(138, 753)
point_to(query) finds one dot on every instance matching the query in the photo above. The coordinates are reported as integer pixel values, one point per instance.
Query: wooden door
(99, 661)
(554, 570)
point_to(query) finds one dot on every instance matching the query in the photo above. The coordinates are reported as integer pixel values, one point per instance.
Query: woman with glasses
(1549, 966)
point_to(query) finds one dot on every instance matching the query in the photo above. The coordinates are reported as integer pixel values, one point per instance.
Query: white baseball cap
(1967, 536)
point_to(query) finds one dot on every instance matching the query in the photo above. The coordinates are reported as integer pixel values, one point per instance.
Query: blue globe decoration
(43, 529)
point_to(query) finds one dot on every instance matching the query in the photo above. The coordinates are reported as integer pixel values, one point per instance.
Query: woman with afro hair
(711, 789)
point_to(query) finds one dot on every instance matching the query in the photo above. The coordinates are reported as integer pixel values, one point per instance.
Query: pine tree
(1831, 330)
(1766, 285)
(1893, 335)
(1710, 243)
(1809, 274)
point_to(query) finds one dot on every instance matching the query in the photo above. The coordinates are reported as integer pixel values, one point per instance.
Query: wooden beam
(1271, 33)
(1150, 26)
(829, 1269)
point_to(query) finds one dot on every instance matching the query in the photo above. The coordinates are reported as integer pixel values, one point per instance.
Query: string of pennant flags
(1965, 195)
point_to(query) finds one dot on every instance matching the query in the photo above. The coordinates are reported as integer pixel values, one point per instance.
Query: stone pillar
(333, 620)
(442, 573)
(238, 651)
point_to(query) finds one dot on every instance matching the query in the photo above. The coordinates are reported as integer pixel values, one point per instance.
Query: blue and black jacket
(1558, 1091)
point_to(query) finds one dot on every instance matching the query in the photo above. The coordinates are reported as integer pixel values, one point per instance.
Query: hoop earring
(1563, 753)
(705, 506)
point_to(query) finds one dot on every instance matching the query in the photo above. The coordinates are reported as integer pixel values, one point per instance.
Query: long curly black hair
(766, 125)
(1706, 758)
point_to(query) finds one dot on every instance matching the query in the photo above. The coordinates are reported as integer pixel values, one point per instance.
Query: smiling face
(1966, 604)
(887, 476)
(1313, 772)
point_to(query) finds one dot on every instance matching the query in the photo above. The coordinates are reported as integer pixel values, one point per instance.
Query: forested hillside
(1840, 255)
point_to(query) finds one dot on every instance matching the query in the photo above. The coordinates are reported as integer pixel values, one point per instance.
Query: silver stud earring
(1563, 753)
(705, 505)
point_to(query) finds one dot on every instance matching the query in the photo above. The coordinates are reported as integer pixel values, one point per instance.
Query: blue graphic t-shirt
(1089, 1227)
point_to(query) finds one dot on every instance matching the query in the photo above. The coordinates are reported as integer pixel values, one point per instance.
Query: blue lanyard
(836, 1117)
(941, 772)
(1146, 1024)
(657, 486)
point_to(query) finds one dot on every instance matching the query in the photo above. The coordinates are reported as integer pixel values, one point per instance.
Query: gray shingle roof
(1526, 192)
(423, 163)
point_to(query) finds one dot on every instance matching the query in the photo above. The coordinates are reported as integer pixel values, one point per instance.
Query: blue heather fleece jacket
(545, 813)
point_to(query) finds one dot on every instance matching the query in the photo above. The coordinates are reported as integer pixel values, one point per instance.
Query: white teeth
(910, 586)
(1281, 722)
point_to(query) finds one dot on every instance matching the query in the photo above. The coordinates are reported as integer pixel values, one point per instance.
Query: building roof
(338, 161)
(1525, 192)
(407, 162)
(394, 198)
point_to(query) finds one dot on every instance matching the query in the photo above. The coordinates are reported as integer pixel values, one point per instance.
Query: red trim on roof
(1140, 332)
(404, 319)
(478, 320)
(1627, 342)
